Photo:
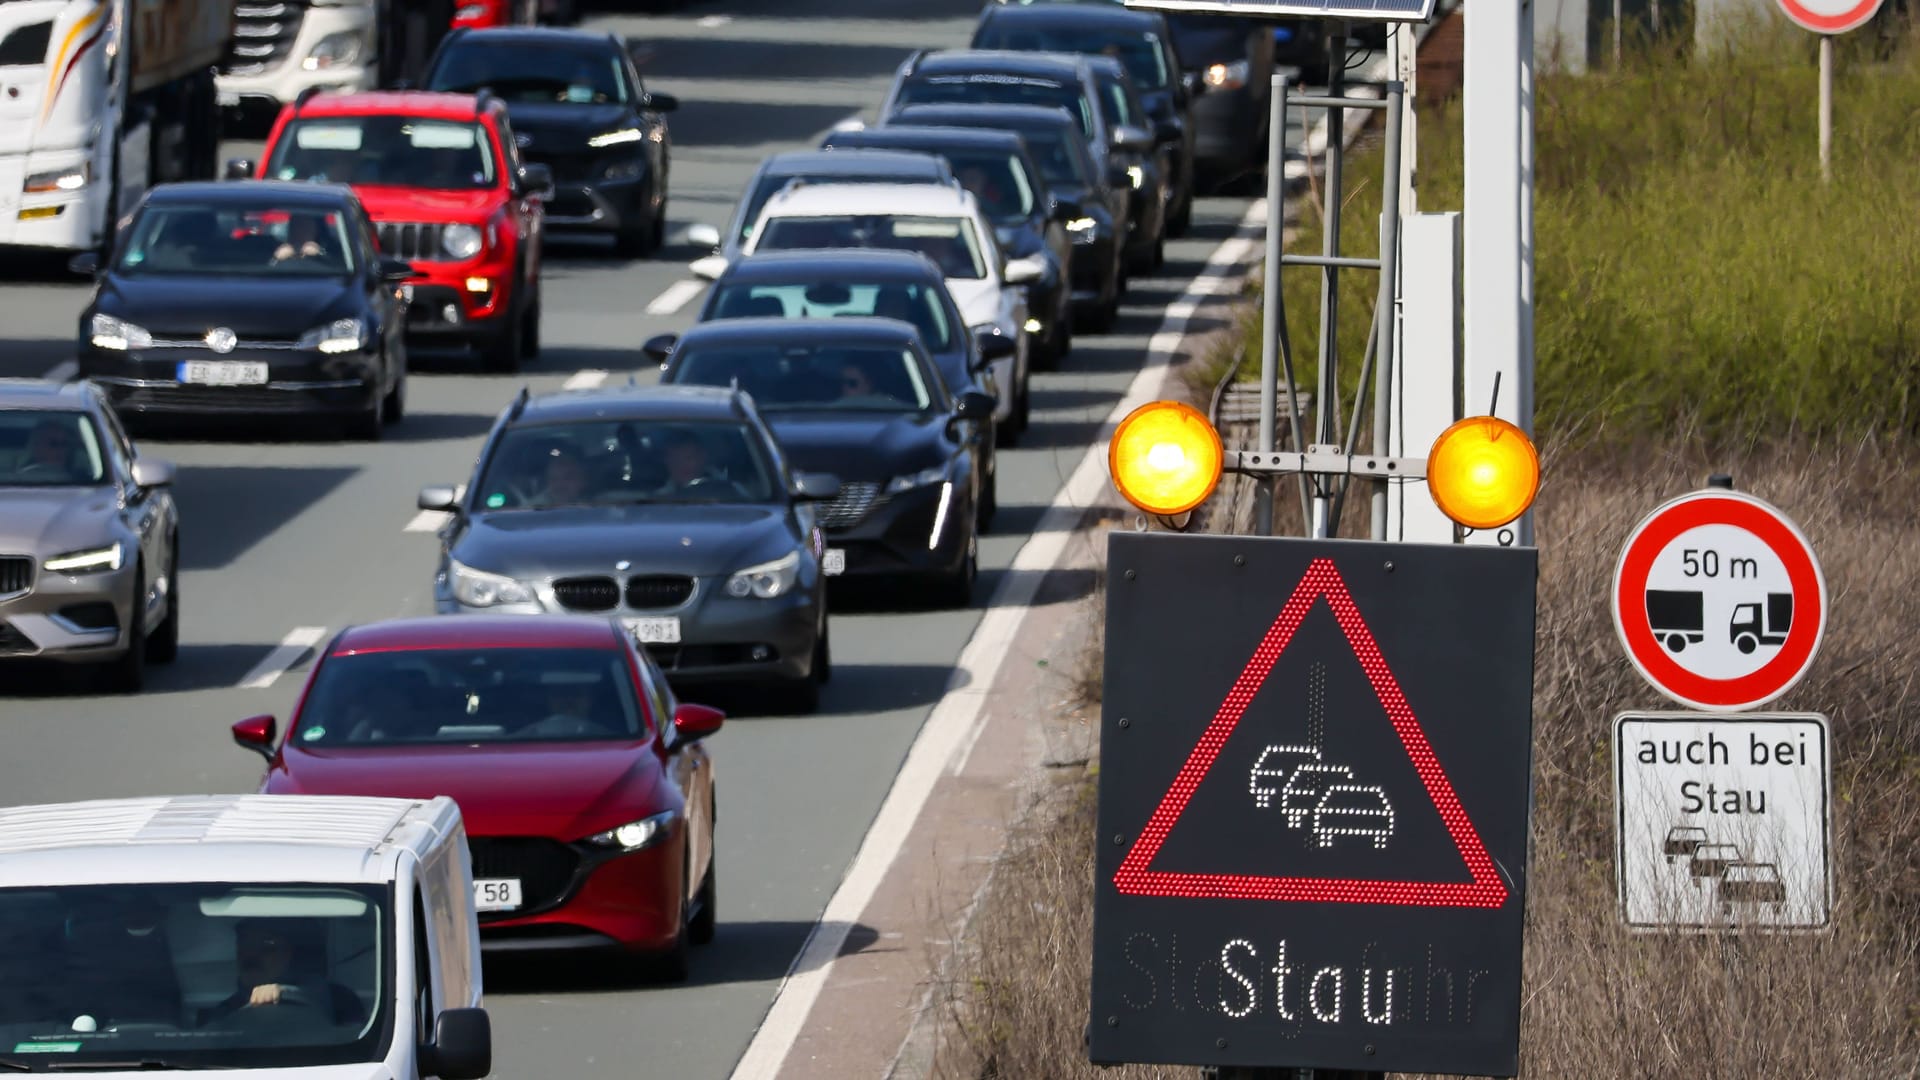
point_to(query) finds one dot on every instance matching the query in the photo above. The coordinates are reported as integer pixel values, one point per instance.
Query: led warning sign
(1313, 804)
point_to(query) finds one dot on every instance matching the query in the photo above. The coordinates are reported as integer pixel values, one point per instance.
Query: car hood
(978, 301)
(54, 521)
(187, 307)
(416, 204)
(860, 448)
(560, 126)
(562, 790)
(661, 538)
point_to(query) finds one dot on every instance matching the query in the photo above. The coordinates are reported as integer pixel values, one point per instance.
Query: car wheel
(366, 426)
(957, 590)
(501, 353)
(530, 331)
(823, 654)
(164, 645)
(989, 500)
(636, 235)
(674, 965)
(397, 397)
(706, 916)
(127, 673)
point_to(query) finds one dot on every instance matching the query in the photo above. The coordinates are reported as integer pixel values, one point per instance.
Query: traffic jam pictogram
(1719, 600)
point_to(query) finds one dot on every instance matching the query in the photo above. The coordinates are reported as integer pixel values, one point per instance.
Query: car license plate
(655, 631)
(223, 373)
(496, 894)
(834, 561)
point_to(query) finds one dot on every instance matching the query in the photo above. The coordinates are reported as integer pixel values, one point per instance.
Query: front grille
(16, 574)
(545, 868)
(15, 643)
(587, 594)
(853, 504)
(263, 34)
(411, 239)
(649, 593)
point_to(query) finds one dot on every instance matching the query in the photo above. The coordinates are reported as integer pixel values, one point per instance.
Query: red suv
(442, 178)
(479, 14)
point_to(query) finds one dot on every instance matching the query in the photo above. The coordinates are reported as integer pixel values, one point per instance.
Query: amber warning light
(1483, 472)
(1165, 458)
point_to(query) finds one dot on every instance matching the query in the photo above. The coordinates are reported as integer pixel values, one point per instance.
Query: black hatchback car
(265, 298)
(579, 107)
(997, 168)
(860, 398)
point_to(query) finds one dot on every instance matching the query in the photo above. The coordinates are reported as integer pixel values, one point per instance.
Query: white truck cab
(241, 936)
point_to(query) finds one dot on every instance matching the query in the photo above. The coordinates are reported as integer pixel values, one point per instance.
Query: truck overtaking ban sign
(1723, 822)
(1719, 601)
(1830, 16)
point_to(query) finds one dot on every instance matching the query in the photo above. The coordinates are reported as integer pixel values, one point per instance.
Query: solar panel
(1366, 10)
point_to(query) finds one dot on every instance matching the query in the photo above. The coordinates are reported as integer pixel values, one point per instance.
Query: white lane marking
(584, 380)
(275, 664)
(427, 521)
(710, 22)
(973, 676)
(64, 371)
(676, 296)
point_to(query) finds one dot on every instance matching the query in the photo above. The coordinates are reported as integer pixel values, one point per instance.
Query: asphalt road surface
(287, 537)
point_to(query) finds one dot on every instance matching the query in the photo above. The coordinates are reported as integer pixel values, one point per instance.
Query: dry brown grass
(1598, 1000)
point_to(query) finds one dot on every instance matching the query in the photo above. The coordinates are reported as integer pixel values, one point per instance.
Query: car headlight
(108, 332)
(338, 336)
(767, 580)
(460, 241)
(1229, 76)
(1082, 225)
(72, 178)
(90, 561)
(334, 50)
(1136, 175)
(927, 477)
(616, 138)
(477, 588)
(635, 835)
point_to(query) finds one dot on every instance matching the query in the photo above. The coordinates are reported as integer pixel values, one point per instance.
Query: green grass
(1693, 274)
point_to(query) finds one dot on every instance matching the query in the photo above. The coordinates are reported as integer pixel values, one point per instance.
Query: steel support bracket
(1329, 462)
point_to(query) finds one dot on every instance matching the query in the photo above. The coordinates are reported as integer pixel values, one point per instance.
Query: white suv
(942, 222)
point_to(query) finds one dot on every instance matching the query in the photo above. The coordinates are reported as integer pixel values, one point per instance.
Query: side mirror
(1118, 177)
(974, 405)
(438, 497)
(537, 181)
(1128, 137)
(660, 102)
(238, 169)
(995, 347)
(256, 733)
(86, 264)
(1025, 271)
(709, 268)
(152, 472)
(1067, 209)
(397, 270)
(816, 487)
(659, 346)
(1167, 131)
(1194, 83)
(691, 722)
(703, 235)
(462, 1046)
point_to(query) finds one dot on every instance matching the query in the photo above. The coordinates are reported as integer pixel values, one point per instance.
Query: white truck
(281, 47)
(99, 100)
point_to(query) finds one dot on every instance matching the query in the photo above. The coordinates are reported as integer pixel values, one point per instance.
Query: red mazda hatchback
(586, 789)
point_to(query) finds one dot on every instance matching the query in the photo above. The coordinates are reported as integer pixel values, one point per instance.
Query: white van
(241, 936)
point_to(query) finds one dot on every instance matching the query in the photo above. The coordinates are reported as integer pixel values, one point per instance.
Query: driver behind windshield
(52, 452)
(688, 467)
(274, 973)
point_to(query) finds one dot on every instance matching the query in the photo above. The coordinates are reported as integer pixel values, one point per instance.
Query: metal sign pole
(1386, 308)
(1270, 327)
(1328, 388)
(1826, 107)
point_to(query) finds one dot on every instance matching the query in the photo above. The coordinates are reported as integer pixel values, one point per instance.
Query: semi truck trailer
(99, 100)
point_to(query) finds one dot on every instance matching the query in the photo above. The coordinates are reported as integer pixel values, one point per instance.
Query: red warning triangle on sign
(1136, 877)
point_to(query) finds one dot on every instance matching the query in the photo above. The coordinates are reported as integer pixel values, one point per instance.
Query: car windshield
(840, 378)
(990, 89)
(237, 241)
(519, 73)
(1053, 150)
(1115, 104)
(41, 448)
(773, 182)
(1139, 51)
(998, 180)
(91, 974)
(908, 301)
(466, 696)
(948, 241)
(399, 151)
(616, 462)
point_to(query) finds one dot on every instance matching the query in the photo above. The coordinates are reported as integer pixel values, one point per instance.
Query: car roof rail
(913, 60)
(481, 99)
(305, 96)
(519, 403)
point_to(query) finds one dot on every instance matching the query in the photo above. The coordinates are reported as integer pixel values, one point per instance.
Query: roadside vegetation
(1704, 306)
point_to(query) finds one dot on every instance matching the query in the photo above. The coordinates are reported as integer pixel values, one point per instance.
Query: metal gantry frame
(1327, 466)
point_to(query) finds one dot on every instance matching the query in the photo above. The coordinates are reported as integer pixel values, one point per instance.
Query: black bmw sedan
(578, 106)
(264, 298)
(997, 168)
(860, 398)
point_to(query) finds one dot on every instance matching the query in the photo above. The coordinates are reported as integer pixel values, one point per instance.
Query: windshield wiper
(17, 1066)
(142, 1065)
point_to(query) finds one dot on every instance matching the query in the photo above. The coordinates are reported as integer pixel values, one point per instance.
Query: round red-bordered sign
(1831, 16)
(1713, 567)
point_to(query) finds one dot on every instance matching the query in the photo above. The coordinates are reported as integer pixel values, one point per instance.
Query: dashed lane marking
(676, 296)
(295, 645)
(584, 380)
(64, 371)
